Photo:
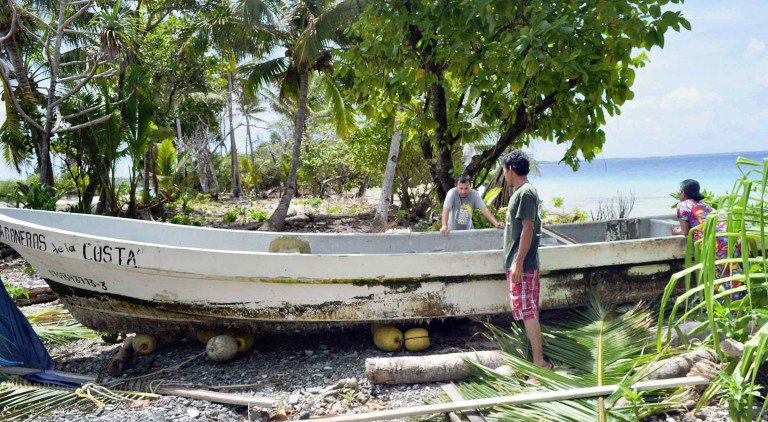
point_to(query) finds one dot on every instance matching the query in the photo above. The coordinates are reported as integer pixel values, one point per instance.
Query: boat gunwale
(4, 217)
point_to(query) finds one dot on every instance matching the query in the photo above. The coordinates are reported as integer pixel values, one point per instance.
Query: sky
(706, 91)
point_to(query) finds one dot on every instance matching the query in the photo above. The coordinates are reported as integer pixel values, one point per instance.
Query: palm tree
(250, 107)
(235, 30)
(309, 31)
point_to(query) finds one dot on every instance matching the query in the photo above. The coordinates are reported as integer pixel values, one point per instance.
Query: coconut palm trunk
(277, 220)
(249, 142)
(233, 145)
(380, 219)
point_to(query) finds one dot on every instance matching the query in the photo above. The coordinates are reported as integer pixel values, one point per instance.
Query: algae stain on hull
(289, 244)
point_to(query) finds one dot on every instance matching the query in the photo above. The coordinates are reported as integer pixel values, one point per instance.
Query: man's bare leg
(533, 331)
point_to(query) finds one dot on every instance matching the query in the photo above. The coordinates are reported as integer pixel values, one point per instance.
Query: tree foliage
(514, 70)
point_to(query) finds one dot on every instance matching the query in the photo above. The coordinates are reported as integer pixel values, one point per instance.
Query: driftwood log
(37, 295)
(433, 368)
(679, 366)
(117, 364)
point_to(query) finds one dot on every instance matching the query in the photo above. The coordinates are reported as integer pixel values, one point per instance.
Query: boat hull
(127, 286)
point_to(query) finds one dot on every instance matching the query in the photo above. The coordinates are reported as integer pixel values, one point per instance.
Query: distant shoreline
(682, 156)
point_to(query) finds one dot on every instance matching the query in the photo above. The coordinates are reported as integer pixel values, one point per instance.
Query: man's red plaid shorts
(524, 296)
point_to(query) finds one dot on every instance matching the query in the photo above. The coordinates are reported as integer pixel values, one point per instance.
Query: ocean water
(650, 180)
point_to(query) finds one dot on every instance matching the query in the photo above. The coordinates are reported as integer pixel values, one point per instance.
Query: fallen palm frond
(56, 325)
(24, 401)
(595, 347)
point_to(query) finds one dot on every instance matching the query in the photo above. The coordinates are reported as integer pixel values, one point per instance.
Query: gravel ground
(307, 374)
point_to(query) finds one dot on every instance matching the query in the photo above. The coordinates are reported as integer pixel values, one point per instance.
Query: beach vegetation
(614, 208)
(16, 292)
(713, 298)
(34, 196)
(182, 219)
(229, 217)
(259, 215)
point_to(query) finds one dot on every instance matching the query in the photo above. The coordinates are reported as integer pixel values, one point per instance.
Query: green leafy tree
(514, 70)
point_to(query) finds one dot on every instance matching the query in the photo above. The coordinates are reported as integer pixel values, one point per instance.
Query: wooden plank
(455, 395)
(215, 396)
(577, 393)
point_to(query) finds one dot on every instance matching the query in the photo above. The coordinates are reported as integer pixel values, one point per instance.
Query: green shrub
(229, 217)
(480, 222)
(259, 215)
(35, 196)
(197, 222)
(182, 219)
(16, 292)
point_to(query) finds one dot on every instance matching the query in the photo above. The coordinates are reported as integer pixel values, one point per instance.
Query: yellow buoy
(144, 344)
(388, 338)
(416, 339)
(244, 341)
(204, 335)
(376, 326)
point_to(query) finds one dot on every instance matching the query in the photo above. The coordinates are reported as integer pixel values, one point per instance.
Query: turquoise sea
(651, 180)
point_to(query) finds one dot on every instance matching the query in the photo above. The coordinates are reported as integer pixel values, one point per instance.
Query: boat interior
(163, 234)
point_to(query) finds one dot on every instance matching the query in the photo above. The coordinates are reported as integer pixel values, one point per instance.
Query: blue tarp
(20, 345)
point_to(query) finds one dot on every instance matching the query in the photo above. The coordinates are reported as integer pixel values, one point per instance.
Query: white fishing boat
(125, 275)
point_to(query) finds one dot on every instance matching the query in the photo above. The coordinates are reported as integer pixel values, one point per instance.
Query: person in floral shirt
(692, 211)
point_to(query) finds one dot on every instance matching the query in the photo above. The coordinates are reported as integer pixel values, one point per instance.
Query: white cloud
(754, 48)
(688, 98)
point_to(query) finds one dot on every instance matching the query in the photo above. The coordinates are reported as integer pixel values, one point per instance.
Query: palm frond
(56, 325)
(343, 115)
(258, 12)
(593, 347)
(24, 401)
(260, 73)
(331, 22)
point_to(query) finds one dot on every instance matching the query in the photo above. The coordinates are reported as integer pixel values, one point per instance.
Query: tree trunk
(21, 72)
(46, 168)
(233, 146)
(380, 219)
(153, 163)
(444, 159)
(363, 186)
(276, 222)
(434, 368)
(145, 194)
(249, 142)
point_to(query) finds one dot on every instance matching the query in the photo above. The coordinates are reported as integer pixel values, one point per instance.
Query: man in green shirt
(521, 250)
